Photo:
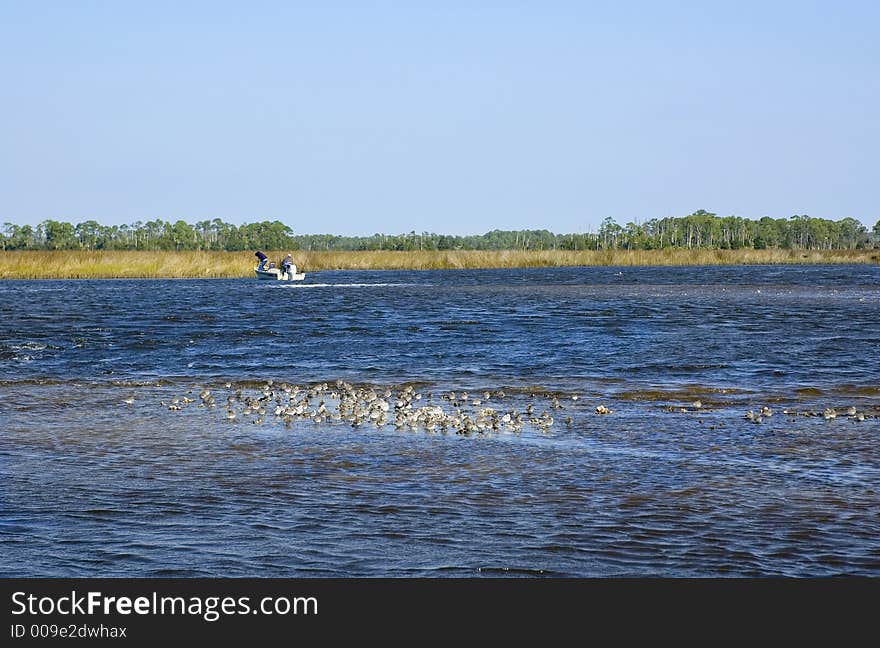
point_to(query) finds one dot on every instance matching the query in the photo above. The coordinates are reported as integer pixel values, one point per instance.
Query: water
(93, 485)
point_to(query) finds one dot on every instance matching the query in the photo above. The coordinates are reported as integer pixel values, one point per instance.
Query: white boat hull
(275, 274)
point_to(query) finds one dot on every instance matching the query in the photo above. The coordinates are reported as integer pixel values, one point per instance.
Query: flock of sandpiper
(829, 414)
(404, 408)
(408, 408)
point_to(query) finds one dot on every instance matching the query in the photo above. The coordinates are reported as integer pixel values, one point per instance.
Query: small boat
(276, 274)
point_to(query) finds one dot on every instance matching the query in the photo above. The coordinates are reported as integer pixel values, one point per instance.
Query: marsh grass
(155, 265)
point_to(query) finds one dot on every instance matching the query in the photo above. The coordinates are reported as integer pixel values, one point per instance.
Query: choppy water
(93, 485)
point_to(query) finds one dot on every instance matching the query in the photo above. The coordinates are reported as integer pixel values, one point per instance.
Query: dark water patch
(709, 396)
(856, 390)
(258, 332)
(514, 571)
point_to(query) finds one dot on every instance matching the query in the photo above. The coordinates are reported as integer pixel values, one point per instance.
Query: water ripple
(98, 478)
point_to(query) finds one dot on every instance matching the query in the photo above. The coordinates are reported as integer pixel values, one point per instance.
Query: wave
(351, 285)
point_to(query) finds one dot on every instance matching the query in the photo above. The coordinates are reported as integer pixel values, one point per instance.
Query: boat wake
(348, 285)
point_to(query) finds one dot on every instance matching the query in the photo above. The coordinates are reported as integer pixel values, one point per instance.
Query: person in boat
(263, 259)
(288, 266)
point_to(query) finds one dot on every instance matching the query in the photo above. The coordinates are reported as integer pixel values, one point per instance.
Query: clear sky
(445, 116)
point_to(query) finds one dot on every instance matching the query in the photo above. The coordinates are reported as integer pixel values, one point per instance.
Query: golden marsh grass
(155, 265)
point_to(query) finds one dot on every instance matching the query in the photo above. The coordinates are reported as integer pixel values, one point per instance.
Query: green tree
(852, 234)
(60, 236)
(609, 233)
(88, 234)
(183, 236)
(20, 237)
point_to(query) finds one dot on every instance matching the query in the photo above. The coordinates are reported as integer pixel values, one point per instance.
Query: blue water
(99, 477)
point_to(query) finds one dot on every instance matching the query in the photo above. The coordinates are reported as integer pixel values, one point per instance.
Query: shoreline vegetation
(699, 230)
(137, 264)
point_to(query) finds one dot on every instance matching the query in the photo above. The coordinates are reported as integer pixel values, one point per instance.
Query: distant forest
(701, 229)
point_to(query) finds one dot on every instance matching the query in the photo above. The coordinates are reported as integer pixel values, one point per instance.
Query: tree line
(152, 235)
(700, 229)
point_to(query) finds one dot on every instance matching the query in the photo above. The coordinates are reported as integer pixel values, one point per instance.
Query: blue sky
(453, 117)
